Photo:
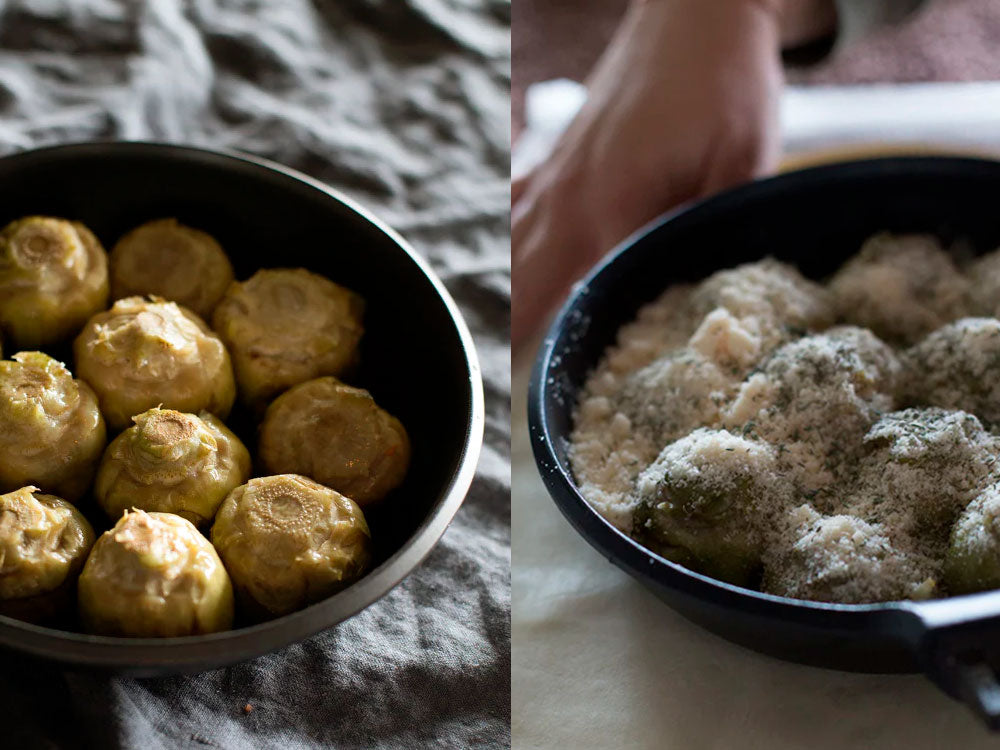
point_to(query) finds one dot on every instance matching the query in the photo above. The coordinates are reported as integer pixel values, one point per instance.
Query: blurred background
(951, 40)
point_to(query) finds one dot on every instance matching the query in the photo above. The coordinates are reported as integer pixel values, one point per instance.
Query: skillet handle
(958, 646)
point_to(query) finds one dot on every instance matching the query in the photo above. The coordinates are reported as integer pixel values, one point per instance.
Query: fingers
(549, 252)
(517, 187)
(739, 159)
(725, 171)
(532, 277)
(536, 293)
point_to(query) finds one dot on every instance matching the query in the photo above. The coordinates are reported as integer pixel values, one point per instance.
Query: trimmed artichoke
(43, 544)
(337, 435)
(901, 286)
(288, 542)
(698, 503)
(171, 462)
(956, 367)
(53, 276)
(154, 575)
(843, 558)
(141, 354)
(51, 431)
(286, 326)
(174, 261)
(930, 462)
(972, 562)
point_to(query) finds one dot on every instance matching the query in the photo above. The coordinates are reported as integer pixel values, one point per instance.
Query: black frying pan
(417, 357)
(815, 219)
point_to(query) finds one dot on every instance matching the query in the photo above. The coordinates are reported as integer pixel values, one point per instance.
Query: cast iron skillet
(418, 358)
(816, 219)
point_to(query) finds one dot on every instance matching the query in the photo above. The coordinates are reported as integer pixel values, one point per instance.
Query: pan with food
(909, 387)
(153, 595)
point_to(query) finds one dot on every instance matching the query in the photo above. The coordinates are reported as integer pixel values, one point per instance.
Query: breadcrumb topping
(821, 442)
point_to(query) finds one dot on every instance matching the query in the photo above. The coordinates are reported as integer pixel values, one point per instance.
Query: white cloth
(599, 662)
(955, 115)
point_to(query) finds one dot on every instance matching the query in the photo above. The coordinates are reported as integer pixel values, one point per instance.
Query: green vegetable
(288, 541)
(154, 575)
(51, 431)
(171, 462)
(285, 326)
(173, 261)
(43, 544)
(337, 435)
(142, 354)
(53, 276)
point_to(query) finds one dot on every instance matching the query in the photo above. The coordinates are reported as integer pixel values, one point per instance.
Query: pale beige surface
(599, 662)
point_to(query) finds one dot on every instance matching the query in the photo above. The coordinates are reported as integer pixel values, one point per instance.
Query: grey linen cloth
(404, 104)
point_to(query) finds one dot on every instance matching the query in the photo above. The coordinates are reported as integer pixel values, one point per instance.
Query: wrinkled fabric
(404, 105)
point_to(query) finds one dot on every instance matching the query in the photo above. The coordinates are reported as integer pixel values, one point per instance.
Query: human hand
(682, 104)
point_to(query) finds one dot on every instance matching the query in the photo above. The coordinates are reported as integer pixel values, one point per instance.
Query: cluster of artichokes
(199, 527)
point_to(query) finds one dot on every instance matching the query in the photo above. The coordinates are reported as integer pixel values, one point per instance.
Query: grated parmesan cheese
(842, 558)
(902, 287)
(733, 430)
(920, 468)
(672, 395)
(769, 298)
(814, 399)
(764, 300)
(958, 366)
(984, 286)
(731, 343)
